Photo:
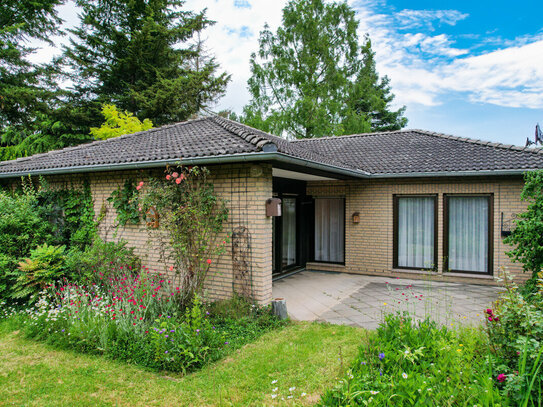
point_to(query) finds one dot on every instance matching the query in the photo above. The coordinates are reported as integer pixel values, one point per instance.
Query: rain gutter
(225, 159)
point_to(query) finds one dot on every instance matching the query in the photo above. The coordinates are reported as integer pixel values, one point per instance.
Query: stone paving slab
(363, 300)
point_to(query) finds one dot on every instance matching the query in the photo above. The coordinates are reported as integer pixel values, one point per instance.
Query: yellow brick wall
(369, 244)
(245, 188)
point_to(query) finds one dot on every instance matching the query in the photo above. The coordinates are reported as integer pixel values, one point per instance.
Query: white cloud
(409, 19)
(423, 67)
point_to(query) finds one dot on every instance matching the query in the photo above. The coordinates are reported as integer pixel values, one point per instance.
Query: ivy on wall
(70, 211)
(126, 203)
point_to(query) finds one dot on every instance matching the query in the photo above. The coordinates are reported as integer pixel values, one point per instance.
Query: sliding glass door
(289, 257)
(468, 236)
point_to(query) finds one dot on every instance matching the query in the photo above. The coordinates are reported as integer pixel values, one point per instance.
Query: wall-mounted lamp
(356, 217)
(151, 218)
(273, 207)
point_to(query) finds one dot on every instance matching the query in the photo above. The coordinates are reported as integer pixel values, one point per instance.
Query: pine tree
(312, 78)
(136, 54)
(27, 91)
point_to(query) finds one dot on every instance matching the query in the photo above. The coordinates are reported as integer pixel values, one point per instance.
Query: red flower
(208, 261)
(501, 378)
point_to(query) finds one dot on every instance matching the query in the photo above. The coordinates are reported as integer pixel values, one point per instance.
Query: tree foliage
(312, 78)
(137, 54)
(527, 236)
(32, 116)
(118, 123)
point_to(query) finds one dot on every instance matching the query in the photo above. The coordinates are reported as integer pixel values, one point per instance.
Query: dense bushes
(22, 228)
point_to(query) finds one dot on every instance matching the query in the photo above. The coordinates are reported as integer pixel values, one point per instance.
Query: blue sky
(468, 68)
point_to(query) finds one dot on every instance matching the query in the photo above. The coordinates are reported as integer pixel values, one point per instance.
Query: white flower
(404, 375)
(274, 396)
(275, 381)
(303, 394)
(289, 397)
(373, 392)
(291, 388)
(274, 390)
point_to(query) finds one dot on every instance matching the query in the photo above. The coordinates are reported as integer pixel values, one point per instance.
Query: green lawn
(307, 356)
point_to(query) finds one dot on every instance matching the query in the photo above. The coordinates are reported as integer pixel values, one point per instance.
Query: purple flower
(165, 336)
(172, 330)
(381, 356)
(197, 330)
(207, 312)
(166, 352)
(363, 363)
(63, 330)
(226, 343)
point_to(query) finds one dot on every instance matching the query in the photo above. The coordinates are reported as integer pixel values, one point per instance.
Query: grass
(308, 356)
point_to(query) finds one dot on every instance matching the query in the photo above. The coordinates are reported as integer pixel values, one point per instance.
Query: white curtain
(468, 234)
(330, 229)
(416, 232)
(289, 231)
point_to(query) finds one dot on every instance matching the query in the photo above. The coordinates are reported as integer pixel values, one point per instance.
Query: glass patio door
(289, 257)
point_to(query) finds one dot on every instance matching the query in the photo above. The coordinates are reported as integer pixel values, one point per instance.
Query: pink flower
(490, 319)
(501, 377)
(178, 181)
(140, 185)
(171, 268)
(488, 311)
(168, 177)
(175, 175)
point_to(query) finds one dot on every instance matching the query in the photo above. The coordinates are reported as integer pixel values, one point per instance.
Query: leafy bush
(527, 236)
(102, 259)
(44, 266)
(407, 363)
(515, 329)
(22, 228)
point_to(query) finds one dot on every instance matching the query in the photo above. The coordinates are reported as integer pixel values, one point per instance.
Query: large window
(330, 230)
(468, 232)
(415, 232)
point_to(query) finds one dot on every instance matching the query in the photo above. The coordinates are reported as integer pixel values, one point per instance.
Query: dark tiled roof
(400, 152)
(419, 151)
(205, 137)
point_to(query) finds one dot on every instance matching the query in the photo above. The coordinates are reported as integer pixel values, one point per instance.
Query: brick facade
(245, 188)
(369, 244)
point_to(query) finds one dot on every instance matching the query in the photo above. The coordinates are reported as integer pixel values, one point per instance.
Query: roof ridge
(480, 142)
(97, 142)
(350, 135)
(241, 130)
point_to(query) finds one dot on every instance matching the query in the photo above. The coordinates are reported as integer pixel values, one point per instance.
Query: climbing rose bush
(191, 219)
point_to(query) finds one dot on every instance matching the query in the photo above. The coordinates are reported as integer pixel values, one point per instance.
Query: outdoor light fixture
(273, 207)
(356, 217)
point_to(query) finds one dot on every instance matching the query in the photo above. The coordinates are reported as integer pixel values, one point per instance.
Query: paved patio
(341, 298)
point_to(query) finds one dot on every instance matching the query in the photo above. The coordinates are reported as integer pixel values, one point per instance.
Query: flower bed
(417, 363)
(137, 318)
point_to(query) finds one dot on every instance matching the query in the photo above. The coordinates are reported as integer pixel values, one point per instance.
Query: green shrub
(102, 259)
(22, 228)
(406, 363)
(527, 235)
(515, 329)
(44, 266)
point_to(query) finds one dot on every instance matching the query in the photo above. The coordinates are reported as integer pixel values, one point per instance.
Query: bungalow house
(402, 203)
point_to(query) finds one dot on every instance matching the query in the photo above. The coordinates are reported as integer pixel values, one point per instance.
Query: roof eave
(436, 174)
(205, 160)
